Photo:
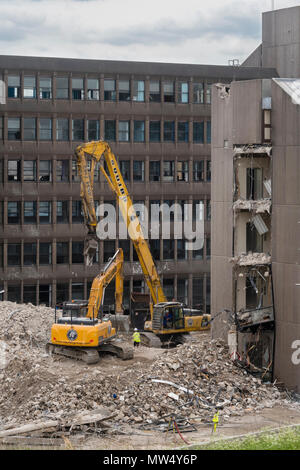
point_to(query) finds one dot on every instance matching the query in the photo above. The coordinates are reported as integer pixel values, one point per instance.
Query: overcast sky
(185, 31)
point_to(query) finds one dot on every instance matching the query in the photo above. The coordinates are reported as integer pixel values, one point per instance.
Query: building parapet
(249, 149)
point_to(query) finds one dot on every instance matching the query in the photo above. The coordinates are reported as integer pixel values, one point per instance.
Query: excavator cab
(75, 313)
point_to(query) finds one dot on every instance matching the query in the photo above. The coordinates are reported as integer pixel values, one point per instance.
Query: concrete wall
(281, 41)
(286, 233)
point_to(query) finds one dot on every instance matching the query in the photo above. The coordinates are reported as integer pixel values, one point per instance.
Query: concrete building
(255, 154)
(157, 120)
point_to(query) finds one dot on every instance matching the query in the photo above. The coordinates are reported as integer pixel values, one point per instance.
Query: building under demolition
(255, 203)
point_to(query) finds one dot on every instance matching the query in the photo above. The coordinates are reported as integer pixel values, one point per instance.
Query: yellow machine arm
(95, 150)
(112, 269)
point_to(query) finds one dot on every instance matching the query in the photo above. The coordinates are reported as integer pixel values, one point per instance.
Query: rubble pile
(191, 381)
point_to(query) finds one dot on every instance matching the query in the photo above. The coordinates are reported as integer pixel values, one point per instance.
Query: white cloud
(192, 31)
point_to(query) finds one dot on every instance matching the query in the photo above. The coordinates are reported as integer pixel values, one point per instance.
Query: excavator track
(120, 349)
(150, 340)
(87, 355)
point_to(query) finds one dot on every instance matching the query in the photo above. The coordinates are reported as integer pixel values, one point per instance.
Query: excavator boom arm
(96, 150)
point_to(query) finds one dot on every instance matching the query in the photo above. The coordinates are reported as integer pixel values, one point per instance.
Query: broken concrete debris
(51, 400)
(256, 206)
(251, 259)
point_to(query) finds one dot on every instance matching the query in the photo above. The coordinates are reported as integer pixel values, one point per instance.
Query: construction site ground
(138, 398)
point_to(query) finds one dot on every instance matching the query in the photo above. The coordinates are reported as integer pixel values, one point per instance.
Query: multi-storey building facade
(156, 118)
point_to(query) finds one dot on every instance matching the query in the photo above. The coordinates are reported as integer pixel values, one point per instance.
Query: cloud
(168, 30)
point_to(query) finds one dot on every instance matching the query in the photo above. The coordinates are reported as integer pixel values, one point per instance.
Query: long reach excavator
(170, 321)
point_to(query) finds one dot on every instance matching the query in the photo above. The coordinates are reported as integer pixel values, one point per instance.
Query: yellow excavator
(82, 331)
(169, 320)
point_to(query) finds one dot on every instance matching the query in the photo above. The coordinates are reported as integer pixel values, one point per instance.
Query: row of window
(167, 91)
(50, 294)
(28, 254)
(31, 129)
(32, 212)
(66, 170)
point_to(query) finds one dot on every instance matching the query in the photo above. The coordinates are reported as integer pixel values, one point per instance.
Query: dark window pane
(62, 252)
(29, 212)
(183, 131)
(62, 212)
(110, 130)
(14, 254)
(154, 131)
(62, 129)
(154, 170)
(198, 132)
(109, 90)
(29, 129)
(29, 254)
(169, 131)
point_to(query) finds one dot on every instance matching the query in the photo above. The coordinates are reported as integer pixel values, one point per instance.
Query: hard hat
(135, 329)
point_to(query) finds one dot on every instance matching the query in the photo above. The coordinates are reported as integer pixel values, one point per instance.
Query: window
(154, 131)
(198, 170)
(181, 250)
(154, 170)
(182, 171)
(254, 183)
(169, 131)
(198, 132)
(208, 93)
(45, 129)
(45, 294)
(78, 129)
(124, 90)
(182, 291)
(45, 212)
(77, 88)
(77, 215)
(13, 212)
(29, 254)
(93, 89)
(62, 88)
(183, 92)
(208, 247)
(45, 171)
(75, 174)
(109, 90)
(29, 212)
(110, 130)
(77, 290)
(77, 253)
(125, 169)
(208, 170)
(154, 91)
(62, 292)
(138, 170)
(198, 298)
(93, 127)
(13, 86)
(139, 131)
(168, 171)
(14, 128)
(124, 131)
(208, 132)
(198, 210)
(62, 170)
(29, 170)
(14, 254)
(29, 129)
(45, 88)
(183, 131)
(14, 170)
(254, 241)
(109, 250)
(29, 87)
(168, 285)
(62, 252)
(169, 93)
(208, 209)
(155, 249)
(125, 245)
(14, 293)
(198, 93)
(29, 294)
(138, 90)
(62, 212)
(62, 129)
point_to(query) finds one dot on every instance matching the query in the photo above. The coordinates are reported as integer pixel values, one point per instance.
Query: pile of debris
(189, 382)
(251, 259)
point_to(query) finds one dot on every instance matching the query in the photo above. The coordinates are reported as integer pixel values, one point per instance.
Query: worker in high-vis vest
(136, 338)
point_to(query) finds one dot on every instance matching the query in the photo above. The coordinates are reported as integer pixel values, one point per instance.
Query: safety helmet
(135, 329)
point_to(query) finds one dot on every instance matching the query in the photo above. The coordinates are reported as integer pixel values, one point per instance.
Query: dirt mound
(193, 380)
